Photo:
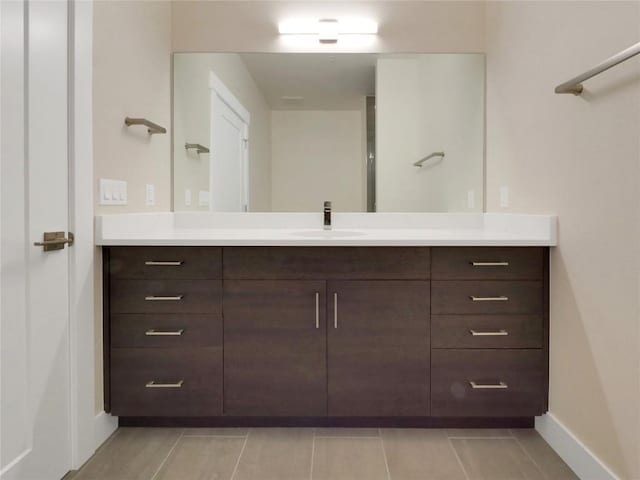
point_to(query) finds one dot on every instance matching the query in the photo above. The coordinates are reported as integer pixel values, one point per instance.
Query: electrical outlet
(203, 198)
(113, 192)
(150, 194)
(187, 198)
(504, 196)
(471, 199)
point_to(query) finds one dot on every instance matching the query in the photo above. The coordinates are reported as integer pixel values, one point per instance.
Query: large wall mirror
(270, 132)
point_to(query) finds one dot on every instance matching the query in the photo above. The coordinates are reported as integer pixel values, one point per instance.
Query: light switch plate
(187, 198)
(471, 199)
(112, 192)
(504, 196)
(150, 196)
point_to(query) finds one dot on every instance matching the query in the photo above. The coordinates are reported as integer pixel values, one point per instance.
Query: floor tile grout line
(480, 438)
(313, 453)
(455, 452)
(200, 435)
(384, 455)
(467, 435)
(235, 468)
(522, 447)
(173, 447)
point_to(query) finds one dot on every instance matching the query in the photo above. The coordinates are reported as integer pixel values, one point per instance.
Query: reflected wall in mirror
(268, 132)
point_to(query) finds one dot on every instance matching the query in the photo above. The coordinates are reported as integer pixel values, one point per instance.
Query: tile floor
(323, 454)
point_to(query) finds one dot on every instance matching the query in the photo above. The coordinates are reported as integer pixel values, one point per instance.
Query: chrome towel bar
(575, 84)
(198, 148)
(428, 157)
(152, 127)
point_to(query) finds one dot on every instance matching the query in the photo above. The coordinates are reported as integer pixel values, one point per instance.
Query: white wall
(192, 115)
(132, 77)
(405, 26)
(426, 104)
(317, 156)
(578, 157)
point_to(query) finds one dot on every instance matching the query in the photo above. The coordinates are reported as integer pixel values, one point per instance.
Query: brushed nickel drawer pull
(153, 384)
(501, 298)
(335, 310)
(155, 298)
(494, 333)
(164, 333)
(490, 264)
(489, 386)
(317, 310)
(156, 263)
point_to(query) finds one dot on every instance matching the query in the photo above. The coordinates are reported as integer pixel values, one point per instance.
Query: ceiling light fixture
(328, 30)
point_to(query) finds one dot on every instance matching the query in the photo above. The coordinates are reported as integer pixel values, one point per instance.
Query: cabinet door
(378, 348)
(274, 348)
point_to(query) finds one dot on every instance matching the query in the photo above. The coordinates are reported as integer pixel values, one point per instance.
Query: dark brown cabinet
(489, 324)
(369, 335)
(275, 348)
(378, 348)
(163, 331)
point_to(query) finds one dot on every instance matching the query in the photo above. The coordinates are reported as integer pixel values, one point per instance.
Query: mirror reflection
(368, 132)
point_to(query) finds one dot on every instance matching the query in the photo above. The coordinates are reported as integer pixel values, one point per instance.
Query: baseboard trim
(582, 461)
(104, 426)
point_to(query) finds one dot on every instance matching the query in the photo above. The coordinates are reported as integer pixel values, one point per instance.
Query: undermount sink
(328, 233)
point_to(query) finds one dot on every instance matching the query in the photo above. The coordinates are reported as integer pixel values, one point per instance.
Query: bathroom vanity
(220, 329)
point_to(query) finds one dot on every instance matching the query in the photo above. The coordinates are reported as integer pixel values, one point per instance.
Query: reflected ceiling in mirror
(369, 132)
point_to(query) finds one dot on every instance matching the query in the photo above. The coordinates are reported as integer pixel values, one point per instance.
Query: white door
(34, 284)
(228, 158)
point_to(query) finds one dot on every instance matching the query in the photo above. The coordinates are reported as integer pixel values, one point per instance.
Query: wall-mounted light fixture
(328, 30)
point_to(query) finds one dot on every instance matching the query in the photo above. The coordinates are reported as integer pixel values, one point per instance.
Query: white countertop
(305, 229)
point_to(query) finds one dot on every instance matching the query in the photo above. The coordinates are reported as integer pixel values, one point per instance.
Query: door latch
(54, 241)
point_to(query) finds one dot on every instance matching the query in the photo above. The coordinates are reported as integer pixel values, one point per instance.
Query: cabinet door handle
(156, 298)
(491, 333)
(490, 264)
(153, 384)
(489, 386)
(500, 298)
(156, 263)
(164, 333)
(317, 310)
(335, 310)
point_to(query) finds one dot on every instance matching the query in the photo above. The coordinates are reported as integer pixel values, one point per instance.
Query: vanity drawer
(166, 381)
(169, 330)
(487, 383)
(487, 263)
(165, 262)
(486, 331)
(486, 297)
(166, 296)
(327, 263)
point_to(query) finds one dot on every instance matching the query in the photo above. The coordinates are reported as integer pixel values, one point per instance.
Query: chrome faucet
(327, 215)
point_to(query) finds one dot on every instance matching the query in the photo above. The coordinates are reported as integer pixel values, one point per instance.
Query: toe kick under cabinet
(326, 335)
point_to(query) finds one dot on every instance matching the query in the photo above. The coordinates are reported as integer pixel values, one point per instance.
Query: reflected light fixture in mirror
(328, 30)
